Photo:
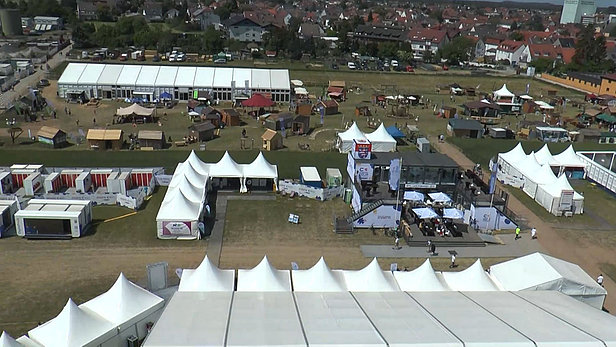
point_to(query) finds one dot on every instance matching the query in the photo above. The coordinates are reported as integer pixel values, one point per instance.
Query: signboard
(362, 149)
(364, 172)
(177, 228)
(351, 167)
(420, 185)
(566, 200)
(385, 216)
(394, 174)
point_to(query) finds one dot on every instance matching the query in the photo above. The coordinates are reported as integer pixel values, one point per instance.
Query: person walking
(533, 233)
(429, 246)
(433, 248)
(453, 261)
(517, 233)
(600, 280)
(397, 243)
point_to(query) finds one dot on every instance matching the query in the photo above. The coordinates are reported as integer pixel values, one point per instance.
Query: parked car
(409, 68)
(220, 61)
(394, 63)
(123, 57)
(43, 83)
(351, 65)
(335, 66)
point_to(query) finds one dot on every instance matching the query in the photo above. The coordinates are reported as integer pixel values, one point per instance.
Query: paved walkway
(214, 245)
(511, 248)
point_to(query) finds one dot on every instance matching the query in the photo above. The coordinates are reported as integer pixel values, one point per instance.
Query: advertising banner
(385, 216)
(394, 174)
(364, 172)
(177, 228)
(566, 200)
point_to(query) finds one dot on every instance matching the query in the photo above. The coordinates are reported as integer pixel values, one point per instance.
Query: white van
(394, 63)
(351, 65)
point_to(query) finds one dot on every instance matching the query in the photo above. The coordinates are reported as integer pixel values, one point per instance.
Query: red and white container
(99, 177)
(142, 177)
(53, 183)
(69, 177)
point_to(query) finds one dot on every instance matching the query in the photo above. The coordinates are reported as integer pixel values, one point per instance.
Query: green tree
(103, 13)
(388, 49)
(516, 36)
(535, 23)
(542, 64)
(590, 52)
(457, 50)
(212, 41)
(82, 35)
(438, 15)
(106, 36)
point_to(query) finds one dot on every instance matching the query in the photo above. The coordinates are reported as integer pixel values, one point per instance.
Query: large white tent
(73, 327)
(503, 92)
(474, 278)
(381, 140)
(569, 159)
(128, 306)
(263, 278)
(422, 278)
(508, 171)
(544, 156)
(226, 167)
(7, 341)
(537, 176)
(319, 278)
(260, 168)
(370, 279)
(542, 272)
(207, 278)
(550, 197)
(348, 137)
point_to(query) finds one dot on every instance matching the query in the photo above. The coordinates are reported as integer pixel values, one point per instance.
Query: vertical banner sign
(322, 112)
(493, 177)
(527, 88)
(282, 128)
(394, 174)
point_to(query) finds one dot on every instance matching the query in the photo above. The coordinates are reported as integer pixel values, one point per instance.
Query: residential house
(510, 51)
(608, 84)
(206, 17)
(424, 40)
(552, 52)
(87, 10)
(152, 11)
(245, 29)
(374, 33)
(565, 42)
(491, 45)
(310, 30)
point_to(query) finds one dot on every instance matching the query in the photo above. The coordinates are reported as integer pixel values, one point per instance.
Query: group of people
(533, 233)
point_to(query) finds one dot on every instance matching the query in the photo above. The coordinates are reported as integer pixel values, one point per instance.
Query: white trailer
(7, 211)
(44, 218)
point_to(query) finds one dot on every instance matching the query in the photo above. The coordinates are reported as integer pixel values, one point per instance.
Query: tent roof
(503, 92)
(380, 135)
(537, 269)
(73, 327)
(185, 76)
(260, 168)
(207, 278)
(129, 75)
(335, 319)
(569, 158)
(439, 197)
(395, 132)
(425, 212)
(529, 166)
(515, 155)
(226, 167)
(177, 207)
(90, 74)
(555, 188)
(197, 164)
(123, 302)
(104, 134)
(352, 133)
(544, 175)
(370, 279)
(166, 76)
(474, 278)
(7, 341)
(71, 73)
(319, 278)
(422, 278)
(257, 100)
(134, 109)
(544, 156)
(263, 277)
(147, 76)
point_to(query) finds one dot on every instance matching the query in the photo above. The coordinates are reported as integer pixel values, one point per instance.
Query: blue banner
(494, 169)
(394, 174)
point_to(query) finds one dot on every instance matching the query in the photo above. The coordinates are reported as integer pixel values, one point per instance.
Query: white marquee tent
(263, 278)
(474, 278)
(207, 278)
(549, 196)
(503, 92)
(226, 167)
(542, 272)
(536, 176)
(569, 159)
(7, 341)
(508, 170)
(319, 278)
(370, 279)
(381, 140)
(422, 279)
(544, 156)
(347, 137)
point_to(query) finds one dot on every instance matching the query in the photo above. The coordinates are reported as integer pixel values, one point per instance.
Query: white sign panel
(364, 171)
(385, 216)
(566, 200)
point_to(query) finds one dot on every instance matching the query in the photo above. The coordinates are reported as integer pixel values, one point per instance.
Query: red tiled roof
(509, 45)
(611, 76)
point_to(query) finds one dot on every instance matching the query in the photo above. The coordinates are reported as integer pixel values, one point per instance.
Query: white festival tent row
(508, 171)
(550, 196)
(263, 278)
(319, 278)
(207, 278)
(474, 278)
(370, 279)
(542, 272)
(381, 140)
(421, 279)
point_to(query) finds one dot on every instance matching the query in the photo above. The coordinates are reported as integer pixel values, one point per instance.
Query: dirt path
(588, 256)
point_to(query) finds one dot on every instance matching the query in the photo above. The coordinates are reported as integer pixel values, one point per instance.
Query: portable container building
(83, 182)
(52, 183)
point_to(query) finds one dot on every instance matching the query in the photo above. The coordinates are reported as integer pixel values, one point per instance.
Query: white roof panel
(91, 74)
(147, 76)
(166, 76)
(280, 79)
(72, 73)
(222, 77)
(541, 327)
(260, 79)
(310, 173)
(240, 76)
(263, 319)
(196, 319)
(110, 75)
(185, 76)
(335, 319)
(204, 78)
(469, 321)
(403, 322)
(129, 75)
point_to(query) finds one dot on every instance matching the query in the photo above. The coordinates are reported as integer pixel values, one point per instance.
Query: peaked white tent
(503, 92)
(347, 137)
(196, 163)
(178, 216)
(538, 271)
(319, 278)
(474, 278)
(260, 168)
(381, 140)
(550, 195)
(568, 158)
(73, 327)
(7, 341)
(226, 167)
(263, 278)
(536, 177)
(508, 170)
(439, 197)
(370, 279)
(128, 307)
(422, 279)
(544, 156)
(207, 278)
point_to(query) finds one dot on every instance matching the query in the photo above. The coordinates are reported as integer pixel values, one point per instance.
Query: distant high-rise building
(573, 10)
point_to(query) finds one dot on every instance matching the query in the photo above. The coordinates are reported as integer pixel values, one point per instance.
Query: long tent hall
(181, 82)
(380, 139)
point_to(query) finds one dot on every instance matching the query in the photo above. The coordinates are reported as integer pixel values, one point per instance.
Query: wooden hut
(448, 112)
(301, 125)
(272, 140)
(363, 109)
(105, 138)
(337, 90)
(203, 131)
(330, 106)
(464, 128)
(279, 120)
(230, 117)
(52, 136)
(151, 138)
(304, 109)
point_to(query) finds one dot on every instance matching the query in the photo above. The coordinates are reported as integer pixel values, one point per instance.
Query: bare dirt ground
(583, 247)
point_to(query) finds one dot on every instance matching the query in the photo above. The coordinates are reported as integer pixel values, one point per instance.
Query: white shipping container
(33, 183)
(83, 183)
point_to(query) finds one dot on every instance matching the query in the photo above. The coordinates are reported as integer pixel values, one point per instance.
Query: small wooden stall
(277, 121)
(202, 131)
(151, 138)
(330, 106)
(230, 117)
(52, 136)
(105, 139)
(301, 125)
(448, 112)
(304, 109)
(272, 140)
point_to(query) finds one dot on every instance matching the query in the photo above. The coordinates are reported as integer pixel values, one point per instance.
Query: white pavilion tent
(370, 279)
(7, 341)
(199, 166)
(263, 278)
(569, 159)
(128, 306)
(503, 93)
(549, 196)
(319, 278)
(207, 278)
(347, 137)
(422, 279)
(508, 170)
(542, 272)
(178, 216)
(381, 140)
(73, 327)
(537, 177)
(260, 168)
(544, 156)
(226, 167)
(474, 278)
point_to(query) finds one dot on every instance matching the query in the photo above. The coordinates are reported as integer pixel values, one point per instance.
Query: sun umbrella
(425, 213)
(258, 100)
(390, 97)
(453, 213)
(165, 95)
(439, 197)
(411, 97)
(414, 196)
(193, 113)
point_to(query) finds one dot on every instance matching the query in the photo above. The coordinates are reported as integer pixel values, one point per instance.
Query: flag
(394, 174)
(494, 169)
(527, 88)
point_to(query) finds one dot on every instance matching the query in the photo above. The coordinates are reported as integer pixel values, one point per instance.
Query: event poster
(177, 228)
(364, 171)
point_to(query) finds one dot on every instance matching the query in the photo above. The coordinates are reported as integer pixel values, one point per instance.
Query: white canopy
(549, 196)
(544, 105)
(422, 279)
(226, 167)
(178, 207)
(263, 278)
(347, 137)
(73, 327)
(370, 279)
(528, 166)
(474, 278)
(297, 83)
(568, 158)
(544, 156)
(7, 341)
(381, 140)
(196, 163)
(453, 213)
(536, 177)
(319, 278)
(439, 197)
(425, 212)
(414, 196)
(260, 168)
(538, 271)
(503, 93)
(191, 192)
(124, 303)
(514, 155)
(134, 109)
(207, 278)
